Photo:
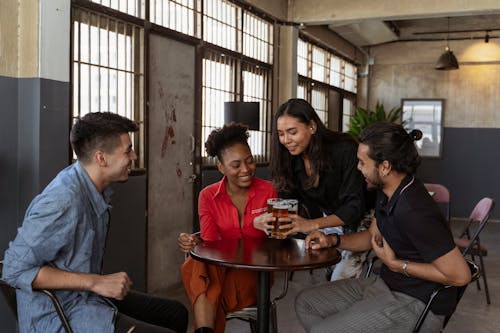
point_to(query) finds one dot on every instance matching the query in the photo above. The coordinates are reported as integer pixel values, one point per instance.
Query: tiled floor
(472, 314)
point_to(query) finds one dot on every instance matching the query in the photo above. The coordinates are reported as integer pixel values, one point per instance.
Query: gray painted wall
(468, 168)
(9, 190)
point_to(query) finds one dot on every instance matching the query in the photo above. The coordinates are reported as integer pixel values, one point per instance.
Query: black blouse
(341, 186)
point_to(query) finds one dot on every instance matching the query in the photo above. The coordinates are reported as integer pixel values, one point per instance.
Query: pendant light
(447, 61)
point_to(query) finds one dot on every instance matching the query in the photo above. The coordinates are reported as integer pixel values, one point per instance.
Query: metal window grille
(347, 111)
(319, 65)
(131, 7)
(222, 24)
(335, 71)
(179, 15)
(350, 77)
(257, 38)
(302, 90)
(218, 86)
(302, 58)
(319, 101)
(256, 88)
(107, 72)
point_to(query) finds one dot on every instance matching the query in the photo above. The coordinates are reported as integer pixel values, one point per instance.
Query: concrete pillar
(287, 58)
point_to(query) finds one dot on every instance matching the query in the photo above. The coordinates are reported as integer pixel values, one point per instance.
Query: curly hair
(318, 150)
(225, 137)
(99, 131)
(391, 142)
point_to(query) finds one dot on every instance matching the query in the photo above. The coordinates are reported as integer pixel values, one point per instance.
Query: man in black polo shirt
(410, 237)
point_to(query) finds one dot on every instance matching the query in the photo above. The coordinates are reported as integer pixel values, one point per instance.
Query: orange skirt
(228, 289)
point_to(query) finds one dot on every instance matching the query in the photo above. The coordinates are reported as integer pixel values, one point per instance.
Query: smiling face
(119, 162)
(367, 166)
(237, 165)
(293, 134)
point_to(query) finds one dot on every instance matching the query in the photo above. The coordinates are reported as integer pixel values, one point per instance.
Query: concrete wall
(471, 117)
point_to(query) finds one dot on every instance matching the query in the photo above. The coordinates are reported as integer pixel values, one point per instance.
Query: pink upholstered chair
(471, 245)
(441, 195)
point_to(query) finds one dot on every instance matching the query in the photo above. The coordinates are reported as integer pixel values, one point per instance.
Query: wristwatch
(337, 240)
(405, 268)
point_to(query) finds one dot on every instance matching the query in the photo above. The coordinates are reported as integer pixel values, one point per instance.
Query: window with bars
(180, 15)
(107, 72)
(225, 77)
(221, 82)
(347, 111)
(222, 24)
(320, 70)
(319, 101)
(230, 78)
(131, 7)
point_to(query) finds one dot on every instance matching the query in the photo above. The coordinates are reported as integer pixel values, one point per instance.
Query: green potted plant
(363, 117)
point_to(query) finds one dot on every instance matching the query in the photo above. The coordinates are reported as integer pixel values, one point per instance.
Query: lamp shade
(246, 113)
(447, 61)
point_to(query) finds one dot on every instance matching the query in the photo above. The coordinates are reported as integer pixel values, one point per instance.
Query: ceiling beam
(348, 11)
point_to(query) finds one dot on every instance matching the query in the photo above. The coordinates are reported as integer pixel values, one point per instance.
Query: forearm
(357, 242)
(325, 222)
(53, 278)
(450, 269)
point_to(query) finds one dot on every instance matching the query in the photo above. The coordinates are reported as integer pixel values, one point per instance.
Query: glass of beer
(280, 209)
(293, 206)
(270, 204)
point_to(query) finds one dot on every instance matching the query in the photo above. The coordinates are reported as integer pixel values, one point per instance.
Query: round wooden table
(264, 255)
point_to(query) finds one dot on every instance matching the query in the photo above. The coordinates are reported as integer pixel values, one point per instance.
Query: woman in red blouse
(226, 210)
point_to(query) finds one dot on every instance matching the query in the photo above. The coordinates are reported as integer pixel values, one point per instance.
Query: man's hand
(384, 252)
(264, 222)
(187, 241)
(116, 285)
(317, 240)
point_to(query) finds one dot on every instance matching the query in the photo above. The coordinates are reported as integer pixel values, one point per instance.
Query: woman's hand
(264, 222)
(188, 241)
(297, 224)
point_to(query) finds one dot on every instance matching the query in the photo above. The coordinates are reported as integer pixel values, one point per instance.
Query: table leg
(263, 299)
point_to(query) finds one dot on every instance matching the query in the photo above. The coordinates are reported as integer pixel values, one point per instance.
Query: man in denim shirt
(61, 244)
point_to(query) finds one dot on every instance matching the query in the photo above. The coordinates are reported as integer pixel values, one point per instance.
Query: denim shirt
(65, 227)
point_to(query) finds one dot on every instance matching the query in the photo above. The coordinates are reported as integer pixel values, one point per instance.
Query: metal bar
(263, 299)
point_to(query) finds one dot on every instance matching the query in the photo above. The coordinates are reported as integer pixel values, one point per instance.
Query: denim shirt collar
(100, 202)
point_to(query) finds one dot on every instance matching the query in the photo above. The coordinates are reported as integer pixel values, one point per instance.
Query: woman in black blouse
(318, 167)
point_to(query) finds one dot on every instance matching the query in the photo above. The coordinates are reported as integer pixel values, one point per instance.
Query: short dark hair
(225, 137)
(99, 131)
(391, 142)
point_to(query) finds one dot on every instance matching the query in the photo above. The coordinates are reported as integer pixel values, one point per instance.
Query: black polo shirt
(341, 186)
(414, 227)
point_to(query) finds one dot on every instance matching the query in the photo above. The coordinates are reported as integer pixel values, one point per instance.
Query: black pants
(150, 314)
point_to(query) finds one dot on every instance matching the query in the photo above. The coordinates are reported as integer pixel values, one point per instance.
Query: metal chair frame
(474, 247)
(9, 293)
(475, 274)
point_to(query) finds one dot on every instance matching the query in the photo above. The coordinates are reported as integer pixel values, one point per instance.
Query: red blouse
(219, 217)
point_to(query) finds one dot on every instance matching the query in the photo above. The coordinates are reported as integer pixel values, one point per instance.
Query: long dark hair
(281, 159)
(390, 142)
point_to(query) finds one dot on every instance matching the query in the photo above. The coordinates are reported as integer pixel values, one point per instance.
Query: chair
(441, 196)
(475, 274)
(250, 314)
(10, 296)
(471, 245)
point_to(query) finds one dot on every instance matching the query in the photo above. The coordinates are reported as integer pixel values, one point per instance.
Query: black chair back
(8, 293)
